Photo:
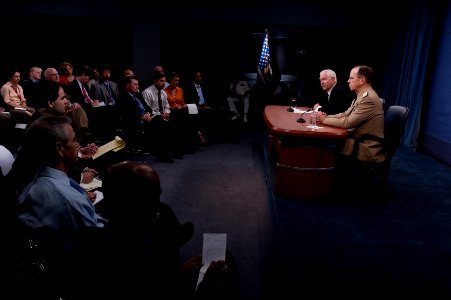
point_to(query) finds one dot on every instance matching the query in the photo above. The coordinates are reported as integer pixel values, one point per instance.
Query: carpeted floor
(398, 246)
(222, 189)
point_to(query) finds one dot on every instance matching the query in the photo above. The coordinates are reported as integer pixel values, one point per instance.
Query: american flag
(264, 67)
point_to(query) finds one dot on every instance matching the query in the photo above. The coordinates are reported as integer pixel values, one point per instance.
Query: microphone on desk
(301, 120)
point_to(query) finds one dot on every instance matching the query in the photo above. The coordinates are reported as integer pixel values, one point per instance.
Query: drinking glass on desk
(313, 117)
(293, 103)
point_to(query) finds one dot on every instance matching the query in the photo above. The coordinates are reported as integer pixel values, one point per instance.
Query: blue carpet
(371, 249)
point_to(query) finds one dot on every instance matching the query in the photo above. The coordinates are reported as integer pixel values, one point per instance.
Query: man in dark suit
(335, 98)
(78, 90)
(139, 124)
(210, 115)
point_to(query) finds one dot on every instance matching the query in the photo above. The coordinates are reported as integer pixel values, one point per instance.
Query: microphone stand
(301, 120)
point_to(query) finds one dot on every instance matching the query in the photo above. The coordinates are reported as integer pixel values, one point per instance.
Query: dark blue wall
(437, 129)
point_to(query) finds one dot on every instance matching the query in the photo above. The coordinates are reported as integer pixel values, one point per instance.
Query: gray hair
(330, 73)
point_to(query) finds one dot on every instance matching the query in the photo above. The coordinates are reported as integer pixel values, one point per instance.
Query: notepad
(115, 145)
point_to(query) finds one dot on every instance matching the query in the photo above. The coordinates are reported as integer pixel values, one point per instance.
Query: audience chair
(43, 268)
(394, 125)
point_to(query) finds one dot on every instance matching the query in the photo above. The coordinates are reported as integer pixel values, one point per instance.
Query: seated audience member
(143, 241)
(73, 109)
(93, 84)
(31, 87)
(56, 106)
(195, 91)
(209, 116)
(53, 208)
(52, 199)
(66, 73)
(239, 92)
(55, 100)
(140, 123)
(78, 90)
(156, 99)
(108, 89)
(187, 124)
(158, 69)
(5, 127)
(14, 97)
(106, 124)
(334, 99)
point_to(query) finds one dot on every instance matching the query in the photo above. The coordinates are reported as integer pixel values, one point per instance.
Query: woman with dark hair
(188, 123)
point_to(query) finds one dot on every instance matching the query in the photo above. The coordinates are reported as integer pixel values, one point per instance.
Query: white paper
(298, 111)
(21, 126)
(192, 109)
(214, 249)
(99, 196)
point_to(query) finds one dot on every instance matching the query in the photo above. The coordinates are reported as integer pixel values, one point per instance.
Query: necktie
(201, 96)
(160, 102)
(140, 106)
(85, 94)
(109, 94)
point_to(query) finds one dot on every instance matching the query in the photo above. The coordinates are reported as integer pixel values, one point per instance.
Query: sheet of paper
(21, 126)
(99, 197)
(192, 109)
(214, 249)
(115, 145)
(298, 111)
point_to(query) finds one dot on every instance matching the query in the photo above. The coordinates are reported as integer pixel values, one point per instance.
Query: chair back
(394, 125)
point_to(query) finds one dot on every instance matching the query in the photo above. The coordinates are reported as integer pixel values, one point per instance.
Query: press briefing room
(226, 150)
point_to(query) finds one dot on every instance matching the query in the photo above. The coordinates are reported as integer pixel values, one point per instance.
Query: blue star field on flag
(264, 66)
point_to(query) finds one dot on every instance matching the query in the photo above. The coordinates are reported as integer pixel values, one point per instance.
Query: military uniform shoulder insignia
(365, 94)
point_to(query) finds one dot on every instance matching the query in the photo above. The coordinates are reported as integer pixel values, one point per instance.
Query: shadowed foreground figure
(138, 250)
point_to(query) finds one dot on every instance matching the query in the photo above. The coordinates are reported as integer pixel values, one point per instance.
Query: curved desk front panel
(304, 157)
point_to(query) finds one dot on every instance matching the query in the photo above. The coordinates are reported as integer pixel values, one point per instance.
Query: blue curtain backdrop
(436, 137)
(404, 81)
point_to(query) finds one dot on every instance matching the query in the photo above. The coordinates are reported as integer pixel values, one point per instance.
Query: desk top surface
(282, 122)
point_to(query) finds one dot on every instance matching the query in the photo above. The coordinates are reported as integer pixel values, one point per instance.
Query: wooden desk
(304, 157)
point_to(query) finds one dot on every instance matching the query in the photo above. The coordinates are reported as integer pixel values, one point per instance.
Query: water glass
(293, 103)
(313, 117)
